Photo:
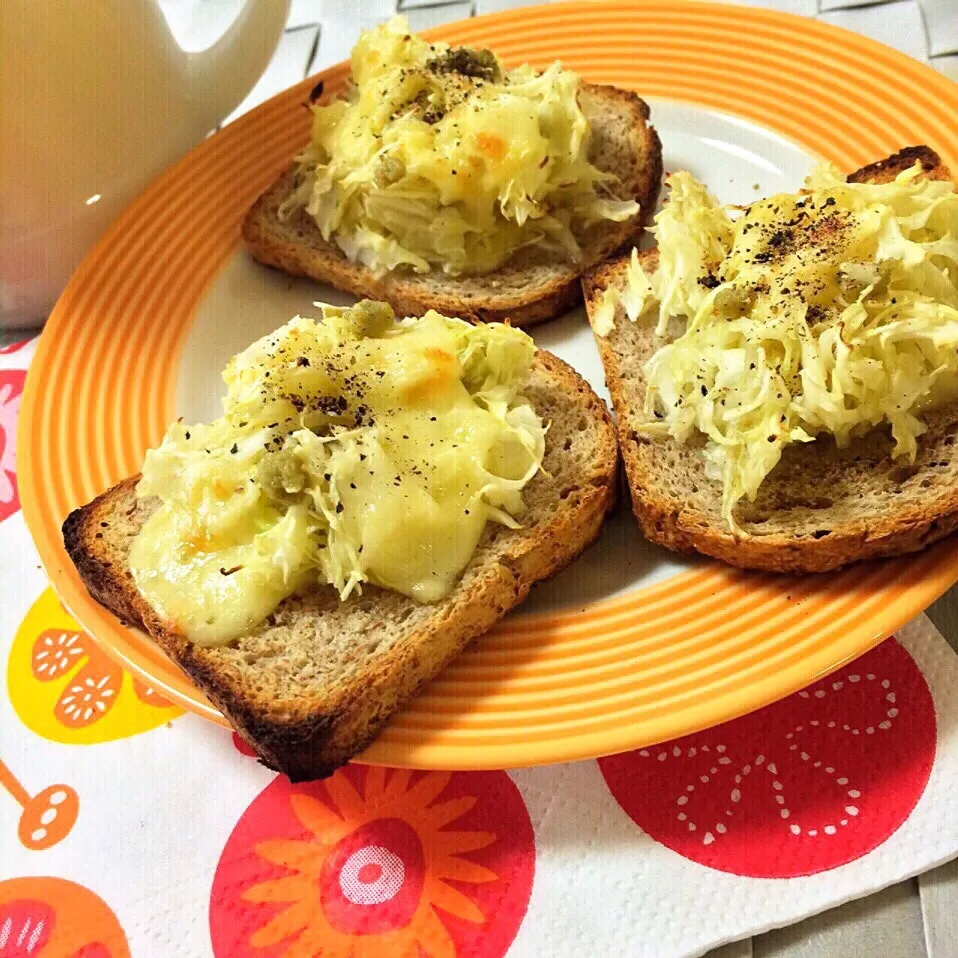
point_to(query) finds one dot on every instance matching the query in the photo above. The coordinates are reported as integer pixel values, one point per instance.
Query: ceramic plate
(631, 645)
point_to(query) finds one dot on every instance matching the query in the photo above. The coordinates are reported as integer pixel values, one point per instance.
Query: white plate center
(738, 160)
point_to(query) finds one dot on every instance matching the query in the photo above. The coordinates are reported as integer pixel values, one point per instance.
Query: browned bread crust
(530, 288)
(822, 507)
(884, 171)
(315, 683)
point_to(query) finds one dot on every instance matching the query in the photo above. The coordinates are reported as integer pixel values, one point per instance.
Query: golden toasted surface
(528, 289)
(313, 685)
(821, 507)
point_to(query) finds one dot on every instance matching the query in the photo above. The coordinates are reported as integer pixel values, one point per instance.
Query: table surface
(917, 918)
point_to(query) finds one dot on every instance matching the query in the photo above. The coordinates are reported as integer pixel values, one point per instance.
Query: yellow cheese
(356, 449)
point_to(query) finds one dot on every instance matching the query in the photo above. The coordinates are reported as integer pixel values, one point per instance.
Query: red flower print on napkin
(14, 347)
(804, 785)
(11, 387)
(373, 862)
(242, 747)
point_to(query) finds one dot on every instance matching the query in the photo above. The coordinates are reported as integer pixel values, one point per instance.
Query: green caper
(281, 475)
(391, 170)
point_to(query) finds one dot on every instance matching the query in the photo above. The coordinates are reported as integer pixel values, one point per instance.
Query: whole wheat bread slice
(531, 287)
(315, 683)
(821, 507)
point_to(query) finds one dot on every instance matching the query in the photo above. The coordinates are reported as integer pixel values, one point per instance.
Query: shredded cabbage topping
(440, 157)
(828, 312)
(355, 449)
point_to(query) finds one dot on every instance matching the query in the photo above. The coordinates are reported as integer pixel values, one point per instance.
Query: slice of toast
(821, 507)
(531, 287)
(314, 684)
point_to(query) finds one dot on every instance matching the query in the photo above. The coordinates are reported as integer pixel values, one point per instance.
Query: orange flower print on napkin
(374, 862)
(47, 817)
(55, 918)
(65, 689)
(11, 387)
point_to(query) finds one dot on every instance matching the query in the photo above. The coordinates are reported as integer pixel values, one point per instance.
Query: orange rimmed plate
(630, 645)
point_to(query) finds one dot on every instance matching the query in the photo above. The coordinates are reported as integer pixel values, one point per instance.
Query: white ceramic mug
(96, 100)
